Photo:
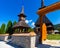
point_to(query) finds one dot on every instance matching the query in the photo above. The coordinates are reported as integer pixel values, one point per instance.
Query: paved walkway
(7, 45)
(50, 44)
(46, 44)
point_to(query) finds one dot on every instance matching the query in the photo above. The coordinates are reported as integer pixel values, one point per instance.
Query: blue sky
(9, 9)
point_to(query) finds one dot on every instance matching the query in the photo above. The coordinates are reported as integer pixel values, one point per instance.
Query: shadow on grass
(46, 46)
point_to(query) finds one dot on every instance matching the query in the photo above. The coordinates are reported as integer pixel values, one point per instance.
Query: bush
(2, 29)
(9, 28)
(14, 23)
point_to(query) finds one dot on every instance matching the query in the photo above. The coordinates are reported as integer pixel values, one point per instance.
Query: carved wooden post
(44, 32)
(44, 11)
(41, 22)
(43, 29)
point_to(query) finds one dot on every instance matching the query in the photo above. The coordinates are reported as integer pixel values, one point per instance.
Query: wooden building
(21, 25)
(43, 26)
(48, 23)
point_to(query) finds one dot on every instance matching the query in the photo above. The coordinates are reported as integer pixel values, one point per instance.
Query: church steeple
(42, 3)
(21, 25)
(22, 11)
(22, 15)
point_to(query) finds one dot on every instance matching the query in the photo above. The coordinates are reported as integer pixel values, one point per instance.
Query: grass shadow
(46, 46)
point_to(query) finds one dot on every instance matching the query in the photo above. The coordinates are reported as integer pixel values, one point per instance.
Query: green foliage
(53, 36)
(30, 30)
(14, 23)
(15, 30)
(9, 28)
(57, 27)
(2, 29)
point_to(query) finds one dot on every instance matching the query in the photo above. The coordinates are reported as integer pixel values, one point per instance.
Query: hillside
(57, 27)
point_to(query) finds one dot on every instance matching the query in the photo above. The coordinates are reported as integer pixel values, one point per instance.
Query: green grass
(53, 36)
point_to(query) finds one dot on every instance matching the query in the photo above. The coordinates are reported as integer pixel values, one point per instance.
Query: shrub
(9, 28)
(2, 29)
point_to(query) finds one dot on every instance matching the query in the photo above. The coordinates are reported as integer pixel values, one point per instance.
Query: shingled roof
(45, 20)
(21, 24)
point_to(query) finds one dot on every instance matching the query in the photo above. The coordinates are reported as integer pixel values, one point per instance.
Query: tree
(9, 28)
(15, 30)
(57, 27)
(14, 23)
(2, 29)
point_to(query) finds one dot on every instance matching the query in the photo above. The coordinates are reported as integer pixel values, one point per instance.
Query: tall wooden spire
(22, 15)
(21, 25)
(42, 3)
(22, 11)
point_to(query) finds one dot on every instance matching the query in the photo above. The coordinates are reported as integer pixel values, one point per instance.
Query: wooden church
(48, 23)
(21, 25)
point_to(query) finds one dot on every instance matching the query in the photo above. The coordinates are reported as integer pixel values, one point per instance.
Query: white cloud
(28, 21)
(33, 24)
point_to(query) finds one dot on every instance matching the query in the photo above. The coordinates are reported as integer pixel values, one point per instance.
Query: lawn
(53, 36)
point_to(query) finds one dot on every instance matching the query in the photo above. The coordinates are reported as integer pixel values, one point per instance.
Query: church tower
(21, 25)
(21, 15)
(42, 3)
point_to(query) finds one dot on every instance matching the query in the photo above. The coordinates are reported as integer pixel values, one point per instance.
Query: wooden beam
(41, 23)
(50, 8)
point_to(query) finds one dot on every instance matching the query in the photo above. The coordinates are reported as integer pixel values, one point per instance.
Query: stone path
(7, 45)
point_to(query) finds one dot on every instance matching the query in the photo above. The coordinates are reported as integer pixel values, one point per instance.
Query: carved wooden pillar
(41, 22)
(46, 10)
(43, 29)
(44, 32)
